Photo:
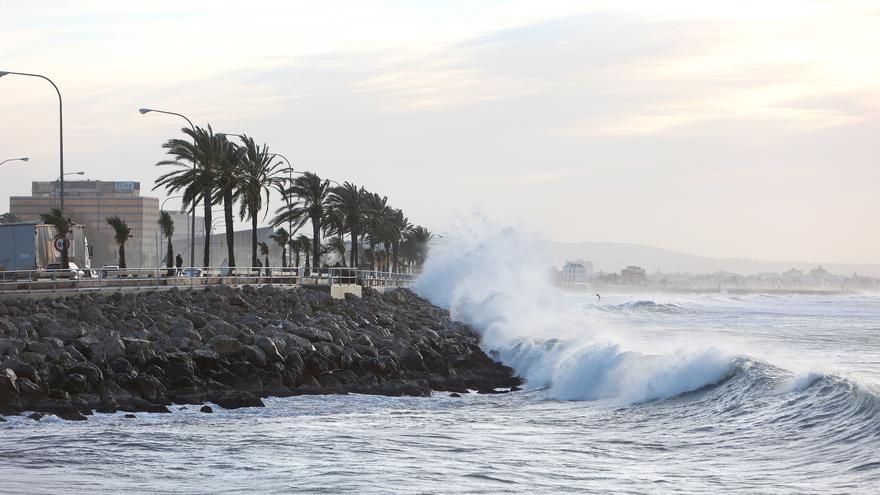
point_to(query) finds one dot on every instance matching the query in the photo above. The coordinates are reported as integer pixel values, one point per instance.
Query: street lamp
(192, 234)
(166, 200)
(60, 125)
(22, 159)
(81, 172)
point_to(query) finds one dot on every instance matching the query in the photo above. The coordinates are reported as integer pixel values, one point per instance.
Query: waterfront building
(633, 275)
(577, 272)
(90, 202)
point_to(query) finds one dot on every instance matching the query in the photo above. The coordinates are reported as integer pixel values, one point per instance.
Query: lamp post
(60, 125)
(192, 235)
(22, 159)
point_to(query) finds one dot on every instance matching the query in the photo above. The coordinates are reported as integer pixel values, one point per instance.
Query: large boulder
(225, 345)
(48, 327)
(11, 346)
(269, 348)
(313, 334)
(8, 387)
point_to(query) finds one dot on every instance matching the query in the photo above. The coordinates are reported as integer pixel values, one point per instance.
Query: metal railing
(105, 278)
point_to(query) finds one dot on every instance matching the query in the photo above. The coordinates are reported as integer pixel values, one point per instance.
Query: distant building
(90, 203)
(633, 275)
(793, 274)
(820, 274)
(577, 272)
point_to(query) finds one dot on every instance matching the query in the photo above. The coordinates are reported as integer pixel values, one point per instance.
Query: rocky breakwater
(144, 351)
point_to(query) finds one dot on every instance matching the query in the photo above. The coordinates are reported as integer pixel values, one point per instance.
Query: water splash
(496, 279)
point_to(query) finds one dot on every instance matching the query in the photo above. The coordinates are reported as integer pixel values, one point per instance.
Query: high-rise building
(89, 203)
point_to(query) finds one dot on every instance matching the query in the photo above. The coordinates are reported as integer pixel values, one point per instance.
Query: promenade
(337, 280)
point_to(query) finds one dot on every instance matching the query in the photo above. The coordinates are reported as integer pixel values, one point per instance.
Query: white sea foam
(495, 279)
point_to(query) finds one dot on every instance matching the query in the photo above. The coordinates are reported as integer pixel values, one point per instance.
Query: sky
(747, 129)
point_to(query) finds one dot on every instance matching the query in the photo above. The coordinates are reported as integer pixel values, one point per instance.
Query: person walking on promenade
(179, 263)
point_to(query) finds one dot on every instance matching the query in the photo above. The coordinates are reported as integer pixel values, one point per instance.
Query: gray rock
(8, 387)
(49, 328)
(182, 327)
(134, 345)
(269, 348)
(255, 355)
(225, 345)
(313, 334)
(11, 346)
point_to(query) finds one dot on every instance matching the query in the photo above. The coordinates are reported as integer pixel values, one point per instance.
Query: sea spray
(497, 280)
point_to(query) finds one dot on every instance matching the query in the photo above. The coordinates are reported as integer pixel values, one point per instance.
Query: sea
(625, 393)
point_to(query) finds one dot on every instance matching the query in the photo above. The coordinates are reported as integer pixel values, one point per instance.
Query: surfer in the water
(599, 298)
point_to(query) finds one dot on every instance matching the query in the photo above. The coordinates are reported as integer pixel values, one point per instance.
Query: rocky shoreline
(141, 352)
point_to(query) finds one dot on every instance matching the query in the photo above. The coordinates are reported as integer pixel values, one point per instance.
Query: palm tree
(396, 228)
(264, 251)
(282, 238)
(62, 224)
(334, 224)
(121, 233)
(415, 246)
(303, 243)
(311, 194)
(226, 179)
(337, 246)
(205, 150)
(258, 177)
(349, 200)
(166, 225)
(376, 210)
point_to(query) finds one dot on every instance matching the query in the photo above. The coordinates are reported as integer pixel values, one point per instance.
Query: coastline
(141, 352)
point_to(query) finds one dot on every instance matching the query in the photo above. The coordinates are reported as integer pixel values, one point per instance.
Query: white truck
(33, 246)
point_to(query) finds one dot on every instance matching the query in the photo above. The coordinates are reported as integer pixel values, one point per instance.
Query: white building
(577, 272)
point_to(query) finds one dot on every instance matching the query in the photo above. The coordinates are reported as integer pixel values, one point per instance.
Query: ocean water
(651, 393)
(785, 402)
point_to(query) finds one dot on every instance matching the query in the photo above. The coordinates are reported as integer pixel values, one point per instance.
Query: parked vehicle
(32, 246)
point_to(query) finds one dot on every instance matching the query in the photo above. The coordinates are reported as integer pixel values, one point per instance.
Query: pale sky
(747, 128)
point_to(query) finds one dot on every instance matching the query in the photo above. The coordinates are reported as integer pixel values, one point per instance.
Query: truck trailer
(32, 246)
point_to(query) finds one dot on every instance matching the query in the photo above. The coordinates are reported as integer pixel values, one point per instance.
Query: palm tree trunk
(65, 256)
(169, 255)
(316, 242)
(395, 250)
(230, 233)
(206, 261)
(122, 256)
(353, 255)
(254, 240)
(372, 254)
(284, 256)
(341, 239)
(296, 259)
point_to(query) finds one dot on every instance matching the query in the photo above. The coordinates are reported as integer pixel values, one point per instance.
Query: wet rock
(129, 416)
(206, 409)
(236, 399)
(138, 351)
(35, 416)
(455, 394)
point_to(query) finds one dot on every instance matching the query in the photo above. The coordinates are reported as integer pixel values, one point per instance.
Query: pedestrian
(179, 263)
